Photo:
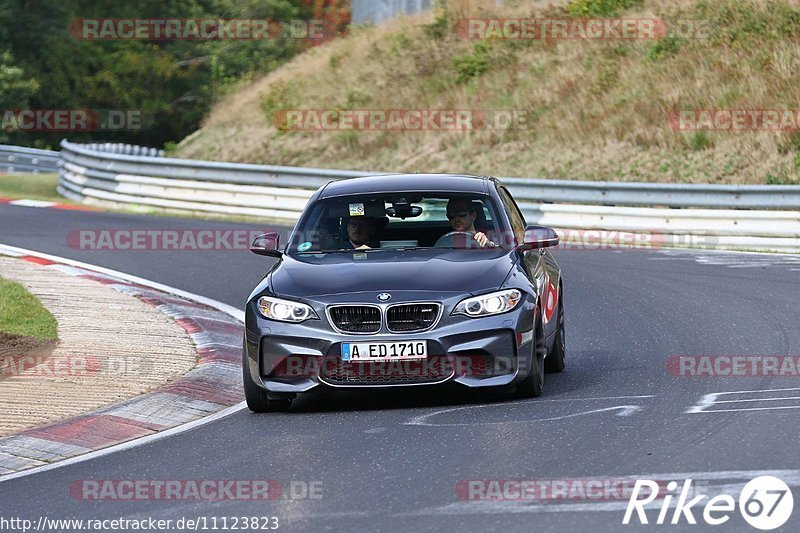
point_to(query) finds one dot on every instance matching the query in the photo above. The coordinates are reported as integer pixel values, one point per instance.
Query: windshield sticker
(304, 247)
(360, 257)
(357, 210)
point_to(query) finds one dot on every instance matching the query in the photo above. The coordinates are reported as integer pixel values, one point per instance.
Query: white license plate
(384, 351)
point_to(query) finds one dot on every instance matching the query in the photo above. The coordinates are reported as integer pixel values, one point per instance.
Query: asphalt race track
(392, 461)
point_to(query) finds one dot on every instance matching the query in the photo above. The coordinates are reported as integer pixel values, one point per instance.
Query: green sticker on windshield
(304, 247)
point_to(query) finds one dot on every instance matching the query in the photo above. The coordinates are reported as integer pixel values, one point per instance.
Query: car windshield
(396, 221)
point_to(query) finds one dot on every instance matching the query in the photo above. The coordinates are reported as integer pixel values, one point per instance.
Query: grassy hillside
(596, 109)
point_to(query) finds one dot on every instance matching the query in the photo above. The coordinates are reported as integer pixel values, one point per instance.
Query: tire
(556, 360)
(533, 384)
(256, 397)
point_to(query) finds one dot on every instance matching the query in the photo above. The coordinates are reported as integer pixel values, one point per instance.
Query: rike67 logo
(765, 503)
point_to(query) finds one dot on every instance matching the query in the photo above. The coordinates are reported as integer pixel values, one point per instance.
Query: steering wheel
(457, 239)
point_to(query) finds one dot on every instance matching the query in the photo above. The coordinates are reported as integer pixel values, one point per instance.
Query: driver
(461, 214)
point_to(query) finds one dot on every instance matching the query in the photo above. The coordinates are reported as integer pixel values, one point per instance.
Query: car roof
(406, 182)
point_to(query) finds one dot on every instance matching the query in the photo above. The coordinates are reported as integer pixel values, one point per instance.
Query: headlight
(489, 304)
(284, 310)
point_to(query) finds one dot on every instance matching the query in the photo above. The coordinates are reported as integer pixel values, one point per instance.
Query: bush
(469, 66)
(440, 27)
(600, 8)
(780, 177)
(666, 47)
(170, 147)
(357, 98)
(700, 140)
(281, 97)
(790, 144)
(746, 21)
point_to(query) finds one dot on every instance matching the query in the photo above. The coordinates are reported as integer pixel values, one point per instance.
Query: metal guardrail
(33, 160)
(127, 149)
(748, 217)
(524, 189)
(656, 194)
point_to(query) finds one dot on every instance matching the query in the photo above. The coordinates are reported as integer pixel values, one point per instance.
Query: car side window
(514, 214)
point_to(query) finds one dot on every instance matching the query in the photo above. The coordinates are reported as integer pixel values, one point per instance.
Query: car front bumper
(492, 351)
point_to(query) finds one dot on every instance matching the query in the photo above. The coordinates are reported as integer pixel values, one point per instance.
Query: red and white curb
(210, 388)
(44, 204)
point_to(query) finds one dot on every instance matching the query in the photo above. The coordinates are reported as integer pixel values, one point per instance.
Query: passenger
(461, 214)
(329, 234)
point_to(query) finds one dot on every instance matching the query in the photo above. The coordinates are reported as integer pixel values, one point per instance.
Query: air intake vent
(407, 318)
(356, 318)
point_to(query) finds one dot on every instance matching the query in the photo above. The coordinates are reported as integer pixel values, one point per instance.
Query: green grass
(21, 313)
(30, 186)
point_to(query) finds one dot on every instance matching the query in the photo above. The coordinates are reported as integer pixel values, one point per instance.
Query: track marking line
(44, 204)
(32, 203)
(761, 400)
(710, 400)
(624, 410)
(750, 409)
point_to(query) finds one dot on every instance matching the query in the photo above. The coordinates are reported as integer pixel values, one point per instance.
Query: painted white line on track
(32, 203)
(760, 400)
(712, 399)
(596, 398)
(624, 410)
(750, 409)
(224, 308)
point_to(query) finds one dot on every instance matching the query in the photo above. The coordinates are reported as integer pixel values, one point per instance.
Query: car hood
(462, 271)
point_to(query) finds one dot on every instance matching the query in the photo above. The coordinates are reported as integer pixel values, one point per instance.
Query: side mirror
(266, 244)
(539, 237)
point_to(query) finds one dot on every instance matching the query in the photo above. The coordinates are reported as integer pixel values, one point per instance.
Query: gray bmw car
(405, 281)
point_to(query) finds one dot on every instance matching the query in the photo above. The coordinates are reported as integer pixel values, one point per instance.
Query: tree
(172, 84)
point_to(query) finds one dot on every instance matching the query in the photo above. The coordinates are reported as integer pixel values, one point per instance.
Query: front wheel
(256, 397)
(557, 359)
(533, 384)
